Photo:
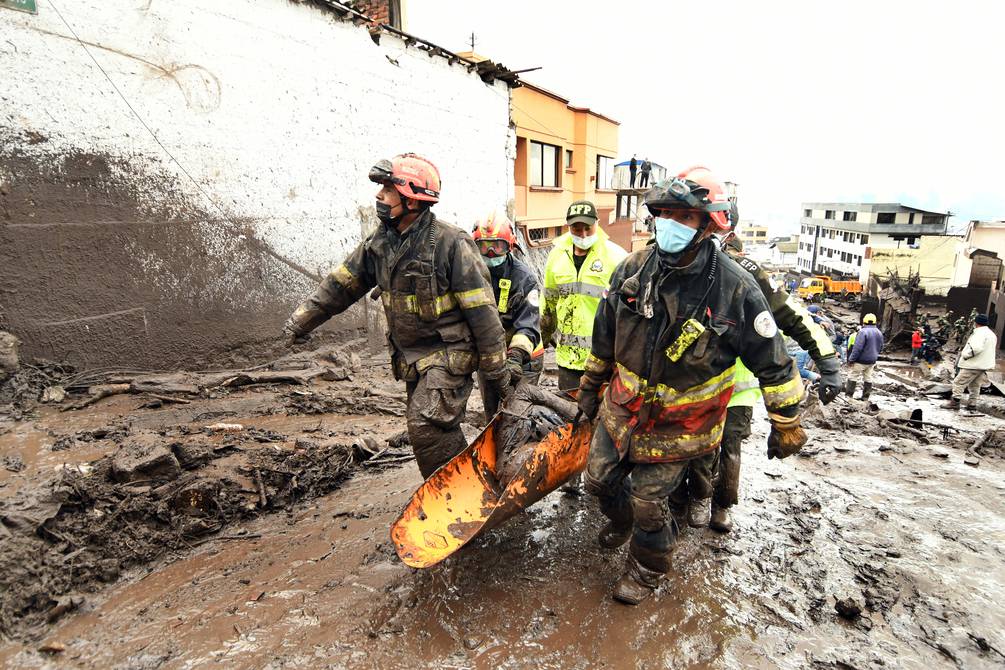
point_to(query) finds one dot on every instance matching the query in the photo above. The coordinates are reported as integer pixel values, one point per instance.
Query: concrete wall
(934, 260)
(113, 256)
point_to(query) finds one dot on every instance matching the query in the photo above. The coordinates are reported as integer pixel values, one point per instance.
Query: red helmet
(694, 188)
(412, 176)
(494, 234)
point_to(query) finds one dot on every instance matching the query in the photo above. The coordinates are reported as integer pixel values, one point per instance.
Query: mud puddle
(905, 535)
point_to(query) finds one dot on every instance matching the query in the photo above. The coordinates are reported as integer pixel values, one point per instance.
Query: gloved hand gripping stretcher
(528, 450)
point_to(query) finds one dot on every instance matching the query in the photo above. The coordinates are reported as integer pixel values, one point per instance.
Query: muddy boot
(637, 583)
(720, 520)
(866, 390)
(849, 388)
(699, 513)
(972, 408)
(952, 403)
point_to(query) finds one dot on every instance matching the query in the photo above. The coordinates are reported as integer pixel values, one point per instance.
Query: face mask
(384, 213)
(673, 237)
(494, 262)
(584, 242)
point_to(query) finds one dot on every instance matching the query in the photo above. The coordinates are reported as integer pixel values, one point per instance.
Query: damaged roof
(486, 69)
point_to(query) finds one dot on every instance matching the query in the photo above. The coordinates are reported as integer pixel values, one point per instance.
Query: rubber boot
(849, 388)
(637, 583)
(699, 513)
(866, 390)
(952, 403)
(720, 520)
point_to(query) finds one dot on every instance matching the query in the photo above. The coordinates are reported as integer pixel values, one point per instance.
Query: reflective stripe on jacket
(571, 297)
(662, 410)
(436, 295)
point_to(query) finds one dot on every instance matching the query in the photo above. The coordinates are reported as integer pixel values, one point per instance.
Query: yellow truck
(816, 287)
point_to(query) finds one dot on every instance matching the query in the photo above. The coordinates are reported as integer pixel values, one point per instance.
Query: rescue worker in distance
(666, 338)
(442, 320)
(794, 321)
(518, 300)
(576, 275)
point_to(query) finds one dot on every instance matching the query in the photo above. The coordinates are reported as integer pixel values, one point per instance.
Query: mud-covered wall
(178, 224)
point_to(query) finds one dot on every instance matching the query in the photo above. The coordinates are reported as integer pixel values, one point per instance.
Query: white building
(837, 238)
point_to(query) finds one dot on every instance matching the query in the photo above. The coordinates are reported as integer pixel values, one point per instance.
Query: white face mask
(584, 242)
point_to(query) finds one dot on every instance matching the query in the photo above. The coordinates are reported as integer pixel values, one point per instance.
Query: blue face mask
(671, 236)
(494, 262)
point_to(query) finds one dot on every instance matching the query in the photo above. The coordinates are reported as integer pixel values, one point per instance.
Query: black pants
(644, 181)
(631, 178)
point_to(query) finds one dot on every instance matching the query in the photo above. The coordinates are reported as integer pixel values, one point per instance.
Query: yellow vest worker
(577, 275)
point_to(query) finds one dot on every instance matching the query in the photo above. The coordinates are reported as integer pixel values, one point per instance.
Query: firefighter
(518, 300)
(666, 338)
(577, 273)
(443, 324)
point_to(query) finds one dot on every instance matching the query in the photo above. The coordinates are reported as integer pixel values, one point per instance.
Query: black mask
(384, 214)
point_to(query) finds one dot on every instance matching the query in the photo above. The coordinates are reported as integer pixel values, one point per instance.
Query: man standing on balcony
(577, 274)
(633, 167)
(647, 167)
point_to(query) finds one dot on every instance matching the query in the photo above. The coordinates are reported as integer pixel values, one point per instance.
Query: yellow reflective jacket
(571, 297)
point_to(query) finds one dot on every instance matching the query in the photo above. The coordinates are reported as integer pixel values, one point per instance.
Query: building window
(850, 216)
(829, 214)
(568, 159)
(761, 233)
(886, 217)
(808, 213)
(864, 239)
(605, 171)
(910, 219)
(929, 219)
(543, 164)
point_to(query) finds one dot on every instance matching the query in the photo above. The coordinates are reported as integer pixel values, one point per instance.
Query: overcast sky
(797, 101)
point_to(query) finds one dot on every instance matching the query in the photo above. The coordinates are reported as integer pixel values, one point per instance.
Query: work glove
(516, 358)
(499, 381)
(831, 383)
(786, 437)
(588, 403)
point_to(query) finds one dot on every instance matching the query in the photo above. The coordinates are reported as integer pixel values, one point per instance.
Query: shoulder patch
(764, 324)
(747, 264)
(534, 298)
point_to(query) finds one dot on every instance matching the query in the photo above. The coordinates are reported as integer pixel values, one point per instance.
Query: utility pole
(472, 42)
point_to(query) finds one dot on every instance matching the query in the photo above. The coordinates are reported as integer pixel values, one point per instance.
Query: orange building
(563, 154)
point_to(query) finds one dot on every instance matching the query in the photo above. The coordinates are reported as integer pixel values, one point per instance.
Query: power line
(251, 239)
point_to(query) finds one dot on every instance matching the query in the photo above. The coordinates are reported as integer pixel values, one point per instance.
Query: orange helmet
(694, 188)
(412, 176)
(494, 234)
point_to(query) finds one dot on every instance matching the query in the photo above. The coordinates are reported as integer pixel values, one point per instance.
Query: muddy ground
(267, 546)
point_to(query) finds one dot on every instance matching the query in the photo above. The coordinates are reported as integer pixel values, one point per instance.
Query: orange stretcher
(471, 494)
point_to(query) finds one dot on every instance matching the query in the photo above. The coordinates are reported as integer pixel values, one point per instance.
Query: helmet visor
(381, 172)
(493, 248)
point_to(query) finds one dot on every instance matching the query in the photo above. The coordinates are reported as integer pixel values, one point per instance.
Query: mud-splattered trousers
(662, 410)
(518, 299)
(442, 323)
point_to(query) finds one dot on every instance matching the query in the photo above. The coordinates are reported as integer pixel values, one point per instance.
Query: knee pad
(650, 515)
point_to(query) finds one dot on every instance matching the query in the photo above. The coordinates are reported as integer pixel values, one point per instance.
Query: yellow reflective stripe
(343, 276)
(521, 341)
(656, 445)
(582, 288)
(504, 286)
(456, 359)
(491, 361)
(785, 394)
(671, 397)
(575, 341)
(596, 365)
(409, 303)
(477, 297)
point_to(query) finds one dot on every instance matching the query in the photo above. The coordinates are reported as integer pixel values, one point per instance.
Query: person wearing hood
(666, 338)
(518, 300)
(442, 319)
